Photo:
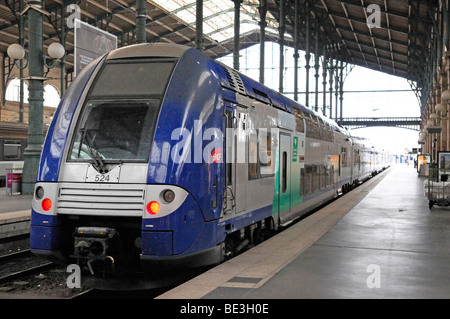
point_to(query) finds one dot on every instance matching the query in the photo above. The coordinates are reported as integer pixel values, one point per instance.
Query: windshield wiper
(98, 164)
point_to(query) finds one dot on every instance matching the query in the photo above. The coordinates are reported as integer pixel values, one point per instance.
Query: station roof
(402, 45)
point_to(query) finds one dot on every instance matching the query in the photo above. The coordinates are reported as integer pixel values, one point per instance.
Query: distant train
(160, 156)
(13, 141)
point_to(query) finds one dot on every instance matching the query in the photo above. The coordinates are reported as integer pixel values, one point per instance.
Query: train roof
(230, 78)
(148, 49)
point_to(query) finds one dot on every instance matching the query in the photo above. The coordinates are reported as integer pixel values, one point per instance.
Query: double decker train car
(160, 156)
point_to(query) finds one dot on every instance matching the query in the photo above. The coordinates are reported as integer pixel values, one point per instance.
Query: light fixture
(56, 50)
(440, 108)
(446, 95)
(16, 51)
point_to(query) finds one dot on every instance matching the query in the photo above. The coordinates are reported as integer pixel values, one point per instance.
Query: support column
(281, 31)
(443, 115)
(447, 70)
(199, 25)
(296, 55)
(237, 20)
(62, 63)
(336, 91)
(341, 91)
(438, 121)
(21, 67)
(307, 54)
(316, 65)
(324, 82)
(140, 21)
(262, 22)
(331, 86)
(35, 98)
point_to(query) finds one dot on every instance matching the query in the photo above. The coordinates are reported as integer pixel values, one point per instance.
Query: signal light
(153, 208)
(168, 195)
(46, 204)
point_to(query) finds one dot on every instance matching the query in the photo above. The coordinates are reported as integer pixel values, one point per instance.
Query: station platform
(14, 203)
(380, 241)
(15, 215)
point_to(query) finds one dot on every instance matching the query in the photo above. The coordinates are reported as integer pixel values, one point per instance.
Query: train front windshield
(118, 119)
(115, 130)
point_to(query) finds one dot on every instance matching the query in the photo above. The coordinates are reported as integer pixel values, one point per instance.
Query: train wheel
(230, 247)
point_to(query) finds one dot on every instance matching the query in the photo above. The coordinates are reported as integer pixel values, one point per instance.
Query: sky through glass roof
(218, 16)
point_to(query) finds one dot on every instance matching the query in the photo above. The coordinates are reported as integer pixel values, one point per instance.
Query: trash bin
(13, 181)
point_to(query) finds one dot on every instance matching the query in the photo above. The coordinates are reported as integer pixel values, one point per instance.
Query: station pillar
(36, 97)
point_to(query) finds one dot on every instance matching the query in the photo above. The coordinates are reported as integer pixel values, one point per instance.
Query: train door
(241, 159)
(284, 181)
(236, 161)
(230, 167)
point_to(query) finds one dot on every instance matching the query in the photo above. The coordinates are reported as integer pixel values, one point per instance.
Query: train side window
(284, 173)
(357, 158)
(344, 156)
(321, 126)
(300, 127)
(302, 181)
(329, 133)
(265, 153)
(316, 129)
(315, 178)
(307, 180)
(253, 167)
(309, 126)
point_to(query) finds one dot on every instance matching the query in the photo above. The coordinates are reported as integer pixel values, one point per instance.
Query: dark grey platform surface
(378, 241)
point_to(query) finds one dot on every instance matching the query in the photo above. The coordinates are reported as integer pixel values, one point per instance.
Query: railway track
(21, 264)
(23, 275)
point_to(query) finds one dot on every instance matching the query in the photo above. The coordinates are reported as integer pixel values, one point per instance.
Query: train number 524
(101, 178)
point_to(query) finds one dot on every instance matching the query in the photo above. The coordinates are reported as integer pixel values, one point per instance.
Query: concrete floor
(378, 241)
(13, 203)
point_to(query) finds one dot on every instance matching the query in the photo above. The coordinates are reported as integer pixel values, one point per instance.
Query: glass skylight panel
(218, 16)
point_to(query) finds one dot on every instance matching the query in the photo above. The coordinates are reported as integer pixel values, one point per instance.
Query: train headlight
(46, 204)
(39, 193)
(168, 195)
(153, 207)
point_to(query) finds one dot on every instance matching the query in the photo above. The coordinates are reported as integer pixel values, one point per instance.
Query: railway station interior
(385, 238)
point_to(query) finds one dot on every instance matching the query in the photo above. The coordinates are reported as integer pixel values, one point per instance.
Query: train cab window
(300, 127)
(253, 167)
(120, 130)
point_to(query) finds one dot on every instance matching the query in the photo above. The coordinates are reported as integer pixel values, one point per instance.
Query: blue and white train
(160, 156)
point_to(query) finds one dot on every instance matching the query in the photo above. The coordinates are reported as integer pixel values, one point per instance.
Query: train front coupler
(96, 244)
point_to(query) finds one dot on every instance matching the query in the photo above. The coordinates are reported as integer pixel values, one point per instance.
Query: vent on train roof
(234, 80)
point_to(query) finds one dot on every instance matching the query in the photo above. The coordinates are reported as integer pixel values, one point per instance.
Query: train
(13, 141)
(161, 157)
